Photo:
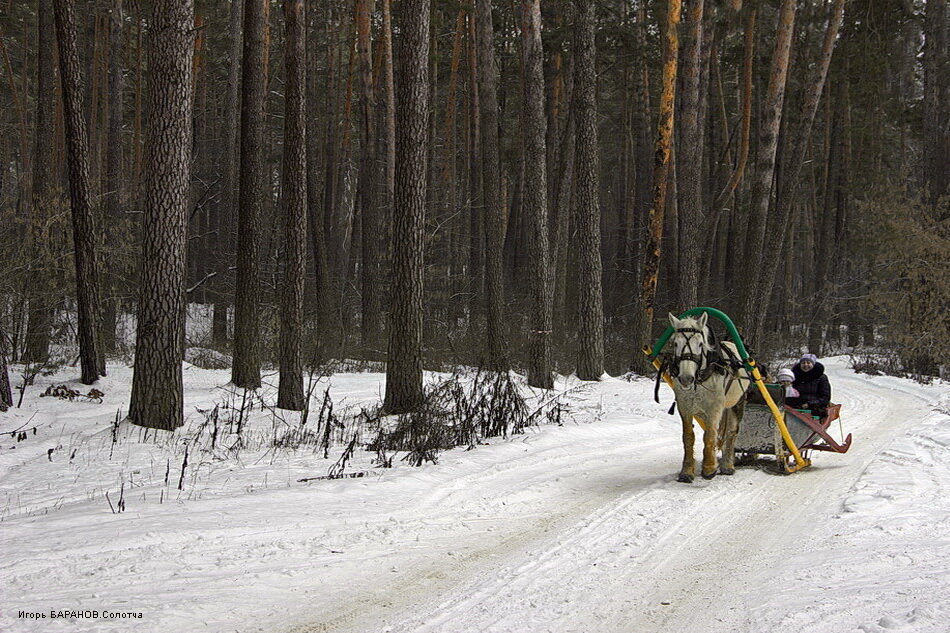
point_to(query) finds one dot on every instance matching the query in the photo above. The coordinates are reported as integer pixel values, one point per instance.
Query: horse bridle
(709, 362)
(699, 359)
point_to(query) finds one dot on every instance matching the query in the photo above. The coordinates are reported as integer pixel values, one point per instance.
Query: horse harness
(717, 360)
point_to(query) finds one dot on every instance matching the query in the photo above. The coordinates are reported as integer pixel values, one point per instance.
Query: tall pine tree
(157, 381)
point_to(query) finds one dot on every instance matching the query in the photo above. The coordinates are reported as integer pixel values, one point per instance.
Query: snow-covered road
(603, 539)
(574, 528)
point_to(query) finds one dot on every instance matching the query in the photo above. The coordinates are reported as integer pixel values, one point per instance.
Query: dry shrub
(460, 410)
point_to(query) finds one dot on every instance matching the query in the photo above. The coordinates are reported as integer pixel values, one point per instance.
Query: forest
(438, 183)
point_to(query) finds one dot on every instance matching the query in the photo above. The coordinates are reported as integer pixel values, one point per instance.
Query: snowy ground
(580, 527)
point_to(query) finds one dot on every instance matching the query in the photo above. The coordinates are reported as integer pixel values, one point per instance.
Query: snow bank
(573, 527)
(880, 565)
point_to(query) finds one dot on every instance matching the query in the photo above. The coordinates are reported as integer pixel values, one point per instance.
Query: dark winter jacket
(813, 386)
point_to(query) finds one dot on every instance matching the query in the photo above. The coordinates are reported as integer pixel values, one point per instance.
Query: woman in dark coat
(812, 384)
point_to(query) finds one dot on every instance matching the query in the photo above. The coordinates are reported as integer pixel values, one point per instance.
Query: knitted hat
(811, 357)
(786, 374)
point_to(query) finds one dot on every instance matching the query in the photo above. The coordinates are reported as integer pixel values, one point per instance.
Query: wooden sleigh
(760, 435)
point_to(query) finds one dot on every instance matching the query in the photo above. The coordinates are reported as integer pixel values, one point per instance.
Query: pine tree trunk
(936, 102)
(92, 359)
(661, 166)
(388, 132)
(371, 326)
(643, 153)
(689, 162)
(290, 393)
(157, 382)
(137, 117)
(535, 198)
(45, 194)
(389, 92)
(562, 205)
(450, 204)
(476, 206)
(342, 213)
(746, 126)
(404, 368)
(227, 211)
(494, 204)
(6, 394)
(753, 302)
(315, 196)
(799, 141)
(590, 363)
(332, 165)
(246, 371)
(92, 92)
(113, 166)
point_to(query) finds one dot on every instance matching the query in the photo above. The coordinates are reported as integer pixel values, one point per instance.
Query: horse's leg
(735, 414)
(688, 471)
(710, 446)
(731, 425)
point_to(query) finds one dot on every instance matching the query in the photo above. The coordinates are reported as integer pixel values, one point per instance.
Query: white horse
(709, 383)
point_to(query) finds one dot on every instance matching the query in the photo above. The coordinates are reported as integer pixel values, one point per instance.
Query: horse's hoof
(710, 475)
(685, 479)
(727, 471)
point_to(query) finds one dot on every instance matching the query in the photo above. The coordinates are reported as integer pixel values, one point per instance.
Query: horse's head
(690, 342)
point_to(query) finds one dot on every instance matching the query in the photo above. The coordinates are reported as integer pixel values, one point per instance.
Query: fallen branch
(362, 473)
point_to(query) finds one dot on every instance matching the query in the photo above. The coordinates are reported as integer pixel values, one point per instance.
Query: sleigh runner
(768, 426)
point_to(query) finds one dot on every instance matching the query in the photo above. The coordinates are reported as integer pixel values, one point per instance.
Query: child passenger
(786, 378)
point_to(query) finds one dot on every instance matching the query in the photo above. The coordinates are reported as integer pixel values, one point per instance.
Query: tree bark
(661, 166)
(45, 194)
(6, 394)
(344, 219)
(562, 205)
(404, 369)
(450, 205)
(290, 392)
(113, 166)
(746, 124)
(246, 371)
(388, 133)
(157, 382)
(316, 184)
(936, 103)
(92, 359)
(371, 325)
(535, 198)
(831, 245)
(227, 212)
(590, 363)
(494, 205)
(689, 169)
(753, 303)
(643, 153)
(800, 140)
(389, 91)
(476, 205)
